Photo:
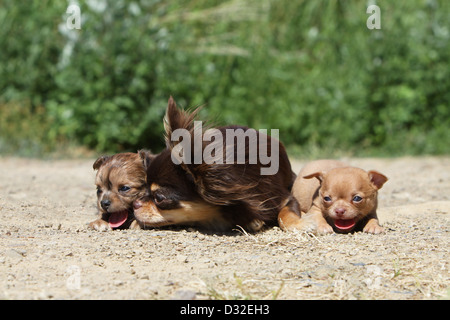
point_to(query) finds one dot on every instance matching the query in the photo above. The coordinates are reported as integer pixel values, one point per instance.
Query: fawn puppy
(336, 197)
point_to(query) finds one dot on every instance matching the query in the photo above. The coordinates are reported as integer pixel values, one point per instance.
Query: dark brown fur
(218, 196)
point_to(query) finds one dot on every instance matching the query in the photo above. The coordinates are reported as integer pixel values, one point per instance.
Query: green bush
(309, 68)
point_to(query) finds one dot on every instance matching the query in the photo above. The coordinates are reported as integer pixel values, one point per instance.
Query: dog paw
(255, 225)
(306, 225)
(324, 228)
(135, 225)
(373, 227)
(100, 225)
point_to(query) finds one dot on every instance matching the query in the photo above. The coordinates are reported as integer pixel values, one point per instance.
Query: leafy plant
(309, 68)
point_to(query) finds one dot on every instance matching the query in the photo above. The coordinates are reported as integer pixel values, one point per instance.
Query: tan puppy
(342, 198)
(120, 180)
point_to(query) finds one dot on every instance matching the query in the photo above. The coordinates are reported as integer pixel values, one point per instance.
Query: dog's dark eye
(356, 199)
(159, 198)
(124, 188)
(327, 199)
(99, 190)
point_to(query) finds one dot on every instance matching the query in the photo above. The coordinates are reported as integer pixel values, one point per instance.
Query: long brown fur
(238, 192)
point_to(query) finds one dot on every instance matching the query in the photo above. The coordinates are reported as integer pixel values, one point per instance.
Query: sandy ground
(47, 252)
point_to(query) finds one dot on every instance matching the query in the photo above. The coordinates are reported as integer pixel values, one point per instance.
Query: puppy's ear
(181, 119)
(177, 119)
(172, 116)
(377, 179)
(147, 157)
(318, 175)
(98, 163)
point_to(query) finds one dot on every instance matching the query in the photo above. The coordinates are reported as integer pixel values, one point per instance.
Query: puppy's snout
(105, 204)
(137, 204)
(340, 211)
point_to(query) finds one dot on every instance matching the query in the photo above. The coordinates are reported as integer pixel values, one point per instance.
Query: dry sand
(47, 252)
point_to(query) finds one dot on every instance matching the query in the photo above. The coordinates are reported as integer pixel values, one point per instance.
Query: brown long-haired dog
(215, 193)
(120, 180)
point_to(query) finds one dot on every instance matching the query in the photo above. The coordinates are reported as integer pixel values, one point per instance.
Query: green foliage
(309, 68)
(23, 130)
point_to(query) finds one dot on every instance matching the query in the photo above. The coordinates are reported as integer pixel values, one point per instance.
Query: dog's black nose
(105, 204)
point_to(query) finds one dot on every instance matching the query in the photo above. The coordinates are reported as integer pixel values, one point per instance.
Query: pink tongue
(344, 224)
(117, 219)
